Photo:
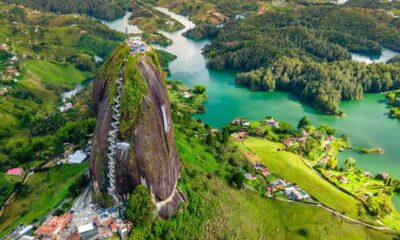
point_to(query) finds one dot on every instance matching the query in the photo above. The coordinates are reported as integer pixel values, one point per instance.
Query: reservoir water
(386, 55)
(367, 123)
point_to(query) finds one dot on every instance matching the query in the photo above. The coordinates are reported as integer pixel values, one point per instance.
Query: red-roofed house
(288, 142)
(55, 226)
(15, 171)
(114, 227)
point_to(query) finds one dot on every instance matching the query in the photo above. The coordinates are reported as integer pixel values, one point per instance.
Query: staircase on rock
(112, 138)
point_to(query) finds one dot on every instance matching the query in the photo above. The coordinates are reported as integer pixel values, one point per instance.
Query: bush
(199, 89)
(140, 207)
(58, 212)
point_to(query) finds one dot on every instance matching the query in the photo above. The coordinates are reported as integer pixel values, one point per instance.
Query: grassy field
(289, 166)
(57, 74)
(245, 215)
(47, 190)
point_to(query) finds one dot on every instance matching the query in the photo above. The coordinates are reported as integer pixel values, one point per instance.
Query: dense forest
(323, 85)
(103, 9)
(324, 33)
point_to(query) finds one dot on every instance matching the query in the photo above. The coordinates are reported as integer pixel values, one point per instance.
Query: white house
(77, 158)
(187, 94)
(13, 59)
(295, 193)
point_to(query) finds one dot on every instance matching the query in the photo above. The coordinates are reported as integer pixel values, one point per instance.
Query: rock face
(146, 152)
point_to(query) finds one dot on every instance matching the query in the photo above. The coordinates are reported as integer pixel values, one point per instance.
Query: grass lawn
(48, 190)
(195, 152)
(57, 74)
(289, 166)
(245, 215)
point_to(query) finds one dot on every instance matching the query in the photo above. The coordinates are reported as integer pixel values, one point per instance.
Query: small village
(10, 72)
(84, 220)
(271, 186)
(322, 159)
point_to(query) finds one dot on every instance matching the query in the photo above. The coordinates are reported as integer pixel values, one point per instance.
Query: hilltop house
(245, 124)
(295, 193)
(272, 122)
(302, 139)
(187, 94)
(277, 185)
(136, 45)
(250, 176)
(342, 179)
(324, 160)
(383, 176)
(262, 169)
(13, 60)
(11, 71)
(288, 142)
(329, 139)
(77, 158)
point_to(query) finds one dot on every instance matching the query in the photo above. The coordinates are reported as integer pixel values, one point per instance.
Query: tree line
(323, 85)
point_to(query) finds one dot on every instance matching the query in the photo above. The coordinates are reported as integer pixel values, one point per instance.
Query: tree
(209, 139)
(328, 130)
(237, 179)
(199, 89)
(285, 127)
(85, 64)
(5, 132)
(349, 163)
(18, 12)
(21, 190)
(72, 191)
(140, 207)
(304, 122)
(22, 154)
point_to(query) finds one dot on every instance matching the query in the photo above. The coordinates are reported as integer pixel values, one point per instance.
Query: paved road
(83, 213)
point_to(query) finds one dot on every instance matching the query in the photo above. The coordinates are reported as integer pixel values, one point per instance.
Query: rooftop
(15, 171)
(77, 157)
(86, 227)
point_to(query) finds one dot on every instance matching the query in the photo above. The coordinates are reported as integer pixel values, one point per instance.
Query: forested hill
(306, 51)
(320, 32)
(103, 9)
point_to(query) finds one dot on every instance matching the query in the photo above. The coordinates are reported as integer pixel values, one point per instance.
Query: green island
(150, 20)
(230, 175)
